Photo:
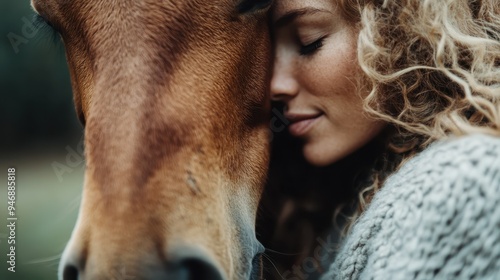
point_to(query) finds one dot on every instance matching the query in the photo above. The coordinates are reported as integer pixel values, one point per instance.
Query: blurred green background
(40, 137)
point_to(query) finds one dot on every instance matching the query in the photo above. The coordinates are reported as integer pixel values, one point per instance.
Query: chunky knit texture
(438, 217)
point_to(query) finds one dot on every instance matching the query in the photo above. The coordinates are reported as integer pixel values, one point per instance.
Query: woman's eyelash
(312, 48)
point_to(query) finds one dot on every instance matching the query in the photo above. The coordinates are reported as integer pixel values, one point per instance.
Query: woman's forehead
(283, 7)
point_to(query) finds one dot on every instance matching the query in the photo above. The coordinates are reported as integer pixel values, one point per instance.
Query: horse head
(174, 99)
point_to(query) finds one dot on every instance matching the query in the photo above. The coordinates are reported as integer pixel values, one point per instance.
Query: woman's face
(315, 74)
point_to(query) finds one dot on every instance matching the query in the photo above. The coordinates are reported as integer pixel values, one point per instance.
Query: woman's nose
(284, 86)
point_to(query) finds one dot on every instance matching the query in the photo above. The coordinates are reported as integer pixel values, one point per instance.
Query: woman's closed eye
(311, 48)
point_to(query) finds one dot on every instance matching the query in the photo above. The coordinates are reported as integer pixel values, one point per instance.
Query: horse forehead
(125, 18)
(97, 10)
(133, 69)
(132, 33)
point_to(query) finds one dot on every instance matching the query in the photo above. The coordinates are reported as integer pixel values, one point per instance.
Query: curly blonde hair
(433, 67)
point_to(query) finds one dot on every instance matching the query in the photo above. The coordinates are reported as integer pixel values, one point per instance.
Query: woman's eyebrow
(296, 13)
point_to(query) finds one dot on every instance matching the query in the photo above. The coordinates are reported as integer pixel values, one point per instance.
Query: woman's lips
(300, 124)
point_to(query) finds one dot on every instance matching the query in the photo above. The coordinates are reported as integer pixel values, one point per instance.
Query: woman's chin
(323, 153)
(317, 155)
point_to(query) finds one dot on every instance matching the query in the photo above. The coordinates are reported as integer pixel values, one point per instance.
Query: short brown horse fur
(173, 95)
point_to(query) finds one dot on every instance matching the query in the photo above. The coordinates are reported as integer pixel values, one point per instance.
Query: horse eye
(250, 6)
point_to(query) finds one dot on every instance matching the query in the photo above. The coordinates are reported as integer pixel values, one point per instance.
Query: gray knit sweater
(438, 217)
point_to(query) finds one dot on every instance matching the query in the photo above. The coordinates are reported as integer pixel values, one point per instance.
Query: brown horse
(173, 96)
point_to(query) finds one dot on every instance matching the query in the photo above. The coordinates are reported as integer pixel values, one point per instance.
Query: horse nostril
(70, 273)
(198, 269)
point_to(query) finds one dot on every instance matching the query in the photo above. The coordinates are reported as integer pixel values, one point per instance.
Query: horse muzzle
(187, 265)
(182, 263)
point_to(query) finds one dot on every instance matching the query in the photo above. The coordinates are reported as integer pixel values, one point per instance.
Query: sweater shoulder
(445, 163)
(441, 205)
(444, 177)
(438, 209)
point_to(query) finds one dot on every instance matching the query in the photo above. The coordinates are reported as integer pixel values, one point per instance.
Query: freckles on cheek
(317, 75)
